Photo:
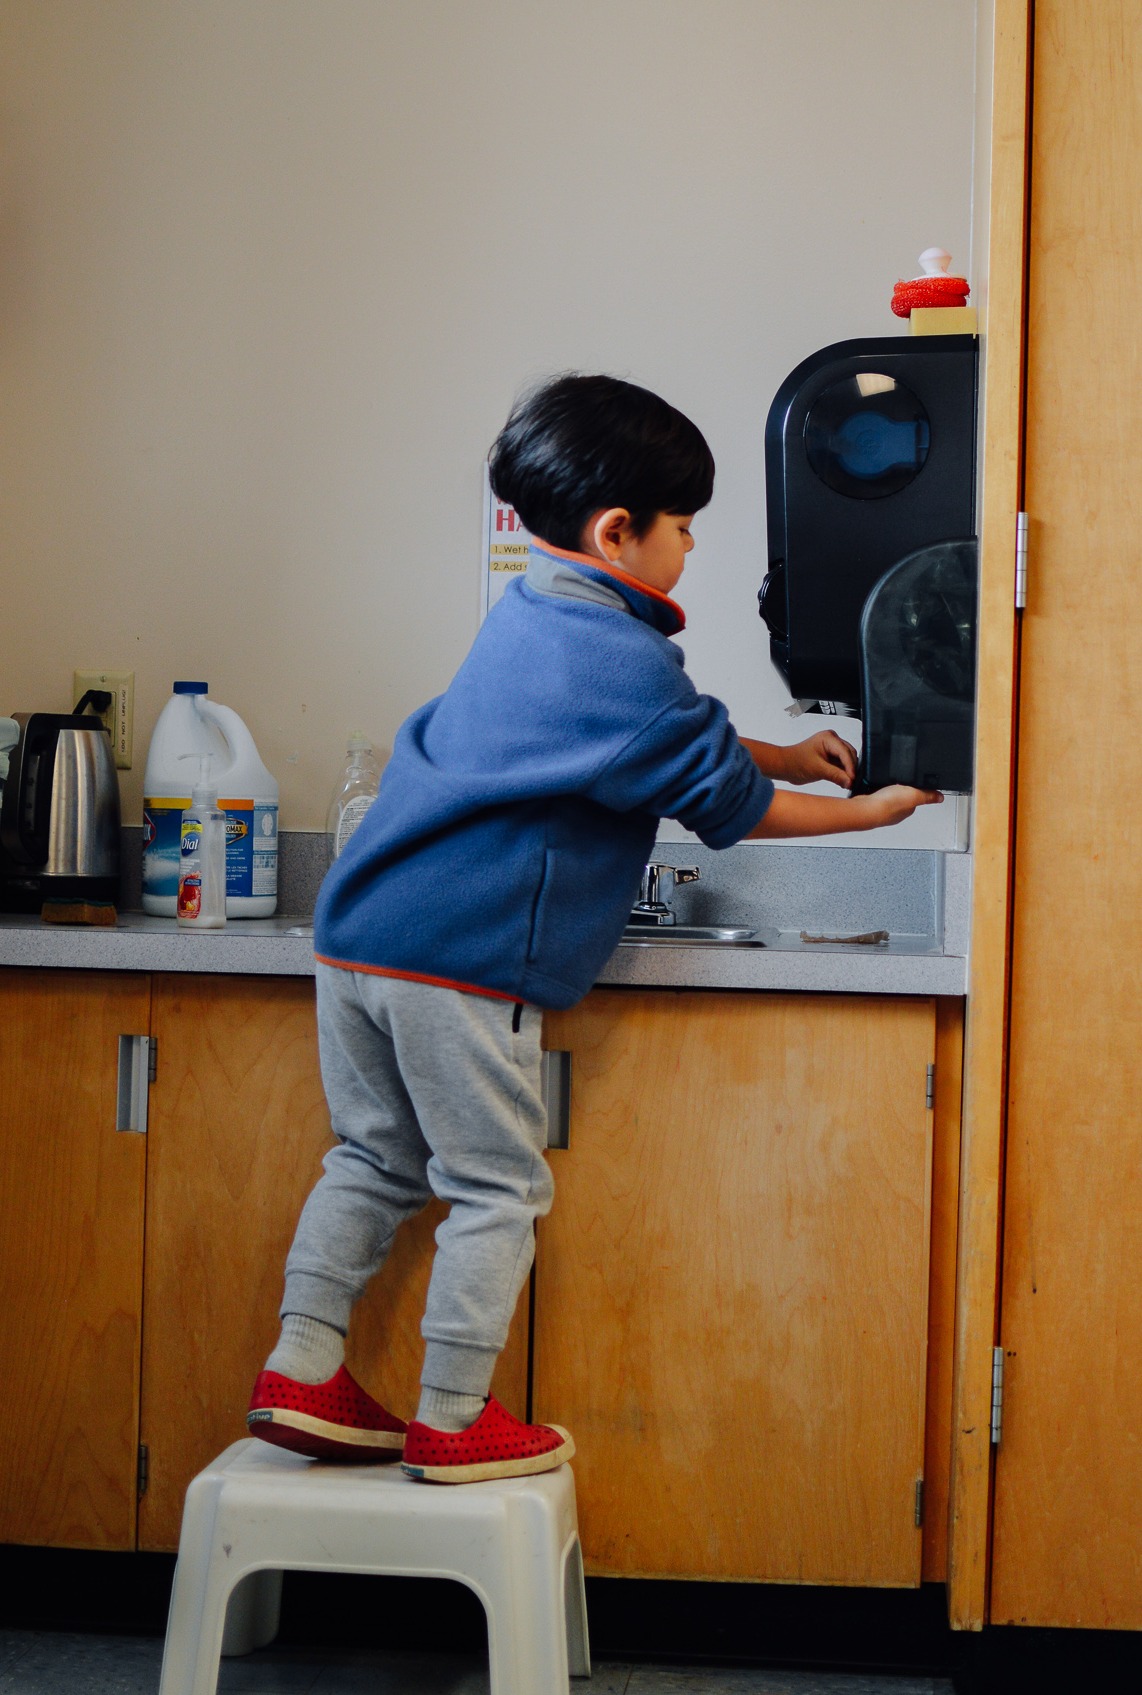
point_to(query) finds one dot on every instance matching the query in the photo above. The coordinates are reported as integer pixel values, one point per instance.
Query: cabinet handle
(133, 1084)
(556, 1087)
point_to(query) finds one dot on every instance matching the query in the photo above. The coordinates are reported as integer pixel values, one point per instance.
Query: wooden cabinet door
(1068, 1480)
(238, 1130)
(731, 1289)
(71, 1259)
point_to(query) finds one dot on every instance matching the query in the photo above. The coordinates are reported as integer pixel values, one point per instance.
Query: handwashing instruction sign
(505, 548)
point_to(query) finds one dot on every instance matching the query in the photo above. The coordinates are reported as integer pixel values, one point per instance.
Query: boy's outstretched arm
(821, 815)
(825, 757)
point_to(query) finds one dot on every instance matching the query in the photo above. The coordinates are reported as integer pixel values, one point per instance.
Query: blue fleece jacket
(504, 850)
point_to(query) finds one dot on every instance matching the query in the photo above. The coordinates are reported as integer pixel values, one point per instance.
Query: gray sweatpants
(430, 1092)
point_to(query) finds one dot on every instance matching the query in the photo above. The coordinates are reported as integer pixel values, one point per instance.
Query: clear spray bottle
(202, 855)
(355, 792)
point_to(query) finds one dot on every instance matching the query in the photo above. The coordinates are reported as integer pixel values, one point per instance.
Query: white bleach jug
(190, 723)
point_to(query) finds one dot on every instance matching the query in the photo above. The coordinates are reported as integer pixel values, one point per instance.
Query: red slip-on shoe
(336, 1420)
(497, 1445)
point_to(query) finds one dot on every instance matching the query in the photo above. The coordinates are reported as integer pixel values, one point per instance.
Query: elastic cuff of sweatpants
(458, 1369)
(317, 1297)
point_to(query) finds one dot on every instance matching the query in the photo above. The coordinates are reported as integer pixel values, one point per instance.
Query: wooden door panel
(238, 1130)
(731, 1290)
(1068, 1482)
(71, 1259)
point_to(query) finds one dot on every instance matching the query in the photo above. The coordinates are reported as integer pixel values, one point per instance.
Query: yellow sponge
(78, 912)
(944, 320)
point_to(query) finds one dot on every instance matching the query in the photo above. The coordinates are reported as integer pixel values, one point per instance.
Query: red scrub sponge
(934, 288)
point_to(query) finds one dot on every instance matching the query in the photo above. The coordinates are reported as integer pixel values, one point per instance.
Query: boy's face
(658, 558)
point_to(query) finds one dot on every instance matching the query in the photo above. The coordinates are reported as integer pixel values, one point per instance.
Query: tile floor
(63, 1663)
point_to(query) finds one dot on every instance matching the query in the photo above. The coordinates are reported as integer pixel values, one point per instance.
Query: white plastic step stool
(258, 1511)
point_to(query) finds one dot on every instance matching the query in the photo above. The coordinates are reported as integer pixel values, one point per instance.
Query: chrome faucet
(650, 908)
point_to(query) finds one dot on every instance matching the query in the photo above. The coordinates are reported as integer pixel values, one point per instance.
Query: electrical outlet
(120, 715)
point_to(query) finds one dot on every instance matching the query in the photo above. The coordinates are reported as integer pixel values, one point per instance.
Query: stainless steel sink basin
(665, 935)
(689, 936)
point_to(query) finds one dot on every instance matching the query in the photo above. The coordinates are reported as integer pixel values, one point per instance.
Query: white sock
(444, 1410)
(308, 1350)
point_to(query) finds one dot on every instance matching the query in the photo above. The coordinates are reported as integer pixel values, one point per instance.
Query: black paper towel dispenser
(869, 456)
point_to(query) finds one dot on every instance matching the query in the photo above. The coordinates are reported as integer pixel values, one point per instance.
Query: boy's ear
(606, 532)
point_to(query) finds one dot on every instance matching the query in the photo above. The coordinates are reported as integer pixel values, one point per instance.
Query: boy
(492, 878)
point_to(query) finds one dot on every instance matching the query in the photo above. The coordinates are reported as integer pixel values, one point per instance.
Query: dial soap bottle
(202, 855)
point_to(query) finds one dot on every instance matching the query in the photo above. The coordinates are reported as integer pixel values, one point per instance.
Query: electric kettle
(59, 815)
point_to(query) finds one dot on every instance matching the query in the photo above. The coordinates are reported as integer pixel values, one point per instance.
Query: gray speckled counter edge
(907, 966)
(248, 947)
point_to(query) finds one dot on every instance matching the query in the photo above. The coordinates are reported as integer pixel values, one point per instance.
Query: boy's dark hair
(580, 444)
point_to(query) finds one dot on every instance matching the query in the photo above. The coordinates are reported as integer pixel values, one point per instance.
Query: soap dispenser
(202, 855)
(355, 792)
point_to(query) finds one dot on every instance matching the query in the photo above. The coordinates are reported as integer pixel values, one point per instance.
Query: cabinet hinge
(555, 1086)
(918, 1503)
(152, 1058)
(930, 1089)
(1020, 561)
(143, 1470)
(136, 1074)
(996, 1396)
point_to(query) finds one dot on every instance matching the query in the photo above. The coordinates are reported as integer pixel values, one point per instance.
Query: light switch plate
(120, 715)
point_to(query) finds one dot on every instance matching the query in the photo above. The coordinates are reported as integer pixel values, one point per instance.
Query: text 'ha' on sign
(506, 544)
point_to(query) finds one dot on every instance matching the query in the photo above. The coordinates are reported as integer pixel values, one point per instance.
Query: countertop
(283, 947)
(921, 897)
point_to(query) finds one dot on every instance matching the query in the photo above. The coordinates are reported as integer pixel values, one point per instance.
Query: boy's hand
(825, 757)
(893, 804)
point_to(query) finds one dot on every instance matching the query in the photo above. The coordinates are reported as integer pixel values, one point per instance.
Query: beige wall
(272, 270)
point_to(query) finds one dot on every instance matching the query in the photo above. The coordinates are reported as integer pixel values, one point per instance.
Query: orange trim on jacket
(418, 977)
(612, 571)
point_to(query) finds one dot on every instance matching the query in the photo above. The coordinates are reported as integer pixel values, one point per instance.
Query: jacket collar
(647, 604)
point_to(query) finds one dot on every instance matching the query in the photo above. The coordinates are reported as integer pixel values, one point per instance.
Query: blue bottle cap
(192, 688)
